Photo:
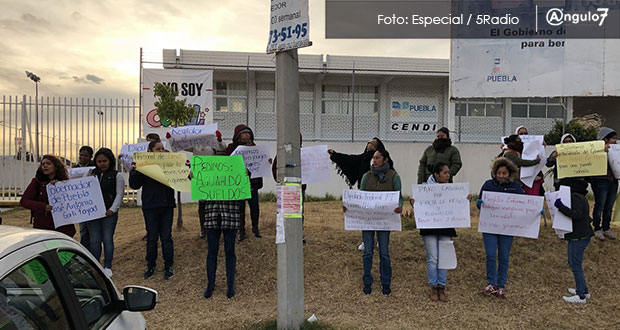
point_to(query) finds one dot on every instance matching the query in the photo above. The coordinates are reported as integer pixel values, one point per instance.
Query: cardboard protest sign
(289, 200)
(441, 205)
(127, 151)
(614, 159)
(256, 160)
(168, 168)
(78, 172)
(186, 137)
(75, 200)
(581, 159)
(315, 164)
(561, 223)
(219, 178)
(368, 210)
(510, 214)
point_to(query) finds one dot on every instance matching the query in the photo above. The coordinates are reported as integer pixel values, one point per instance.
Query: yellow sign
(165, 167)
(581, 159)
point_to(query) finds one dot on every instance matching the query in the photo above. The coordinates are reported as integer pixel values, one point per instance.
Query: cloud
(31, 19)
(94, 79)
(87, 79)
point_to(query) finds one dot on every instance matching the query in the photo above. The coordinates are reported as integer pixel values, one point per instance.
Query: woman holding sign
(35, 199)
(112, 188)
(381, 177)
(504, 178)
(552, 163)
(158, 208)
(605, 189)
(437, 277)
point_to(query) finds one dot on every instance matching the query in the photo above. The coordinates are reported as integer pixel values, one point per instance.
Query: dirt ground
(538, 277)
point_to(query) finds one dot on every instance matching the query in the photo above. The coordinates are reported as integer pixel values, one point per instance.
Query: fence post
(23, 149)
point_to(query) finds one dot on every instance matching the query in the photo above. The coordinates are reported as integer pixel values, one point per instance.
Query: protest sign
(78, 172)
(127, 151)
(446, 256)
(581, 159)
(76, 200)
(315, 164)
(532, 147)
(510, 214)
(219, 178)
(441, 205)
(614, 159)
(288, 201)
(256, 160)
(561, 223)
(187, 137)
(168, 168)
(367, 210)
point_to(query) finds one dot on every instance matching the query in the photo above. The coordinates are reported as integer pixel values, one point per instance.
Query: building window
(230, 96)
(479, 107)
(537, 107)
(265, 98)
(338, 100)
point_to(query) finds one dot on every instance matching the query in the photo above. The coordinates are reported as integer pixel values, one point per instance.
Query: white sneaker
(599, 234)
(574, 300)
(107, 272)
(609, 234)
(574, 292)
(361, 247)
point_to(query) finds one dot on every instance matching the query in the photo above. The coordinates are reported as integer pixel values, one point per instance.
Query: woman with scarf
(552, 161)
(381, 177)
(442, 151)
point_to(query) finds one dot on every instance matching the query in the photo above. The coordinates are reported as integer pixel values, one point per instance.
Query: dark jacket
(256, 183)
(154, 194)
(107, 181)
(579, 213)
(90, 163)
(511, 187)
(35, 199)
(430, 157)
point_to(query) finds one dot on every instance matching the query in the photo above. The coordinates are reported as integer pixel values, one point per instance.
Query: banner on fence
(75, 200)
(219, 178)
(168, 168)
(441, 205)
(368, 210)
(510, 214)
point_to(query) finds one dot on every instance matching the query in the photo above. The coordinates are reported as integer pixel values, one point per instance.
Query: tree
(582, 128)
(179, 113)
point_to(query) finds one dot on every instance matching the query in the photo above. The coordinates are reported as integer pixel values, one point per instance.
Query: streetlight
(36, 80)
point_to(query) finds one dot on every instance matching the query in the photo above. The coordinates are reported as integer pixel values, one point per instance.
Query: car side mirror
(139, 298)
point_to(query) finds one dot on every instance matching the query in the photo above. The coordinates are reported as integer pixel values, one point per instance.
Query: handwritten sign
(256, 160)
(368, 210)
(441, 205)
(614, 159)
(288, 201)
(510, 214)
(127, 151)
(581, 159)
(78, 172)
(315, 164)
(561, 223)
(219, 178)
(75, 201)
(165, 167)
(532, 147)
(185, 137)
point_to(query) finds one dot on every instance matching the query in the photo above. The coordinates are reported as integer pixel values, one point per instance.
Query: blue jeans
(575, 252)
(385, 266)
(436, 276)
(604, 197)
(102, 231)
(213, 246)
(159, 226)
(497, 248)
(84, 236)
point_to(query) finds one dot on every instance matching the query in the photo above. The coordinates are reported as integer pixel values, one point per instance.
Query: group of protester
(372, 170)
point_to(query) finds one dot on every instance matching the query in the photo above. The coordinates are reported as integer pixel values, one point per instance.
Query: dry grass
(538, 278)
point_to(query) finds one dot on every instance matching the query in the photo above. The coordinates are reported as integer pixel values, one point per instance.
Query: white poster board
(446, 258)
(441, 205)
(561, 223)
(194, 85)
(76, 200)
(368, 210)
(186, 137)
(315, 164)
(532, 147)
(289, 28)
(78, 172)
(613, 156)
(510, 214)
(256, 160)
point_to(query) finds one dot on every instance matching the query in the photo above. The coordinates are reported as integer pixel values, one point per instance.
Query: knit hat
(604, 133)
(567, 135)
(445, 130)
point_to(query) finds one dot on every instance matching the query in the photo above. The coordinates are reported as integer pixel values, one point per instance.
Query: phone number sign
(289, 25)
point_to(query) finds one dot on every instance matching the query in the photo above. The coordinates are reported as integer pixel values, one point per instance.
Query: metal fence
(64, 125)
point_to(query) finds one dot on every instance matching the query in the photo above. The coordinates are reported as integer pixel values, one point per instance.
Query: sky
(91, 48)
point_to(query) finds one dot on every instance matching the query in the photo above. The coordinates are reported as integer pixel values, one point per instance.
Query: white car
(50, 281)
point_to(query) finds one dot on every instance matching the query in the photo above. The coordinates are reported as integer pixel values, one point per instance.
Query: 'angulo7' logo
(557, 16)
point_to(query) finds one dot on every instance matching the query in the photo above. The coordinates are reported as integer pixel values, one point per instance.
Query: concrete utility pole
(290, 253)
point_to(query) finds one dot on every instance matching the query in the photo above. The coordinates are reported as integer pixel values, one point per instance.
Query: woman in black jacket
(158, 208)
